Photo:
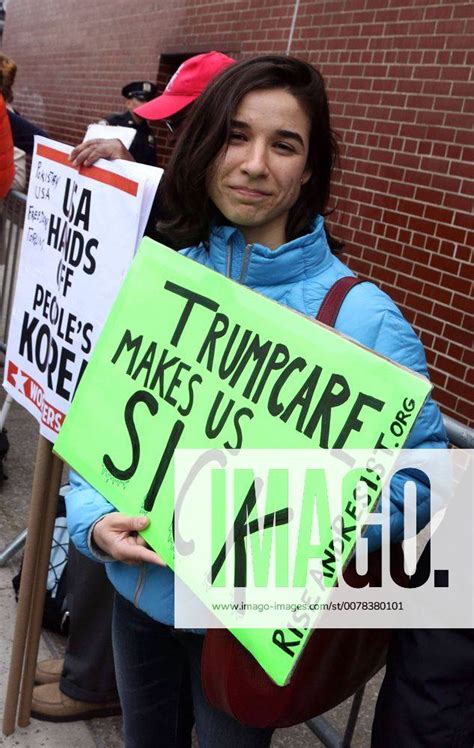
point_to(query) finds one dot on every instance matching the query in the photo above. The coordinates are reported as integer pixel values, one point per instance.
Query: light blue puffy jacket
(298, 275)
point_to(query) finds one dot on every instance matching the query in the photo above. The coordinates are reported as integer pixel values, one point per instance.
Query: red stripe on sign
(27, 386)
(12, 370)
(92, 172)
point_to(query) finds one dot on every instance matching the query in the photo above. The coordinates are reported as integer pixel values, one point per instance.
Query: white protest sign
(80, 234)
(149, 180)
(108, 132)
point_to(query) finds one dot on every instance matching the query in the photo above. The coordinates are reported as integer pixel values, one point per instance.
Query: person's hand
(116, 534)
(89, 152)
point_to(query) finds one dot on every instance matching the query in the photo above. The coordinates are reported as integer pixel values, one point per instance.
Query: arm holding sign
(85, 507)
(92, 518)
(87, 153)
(116, 535)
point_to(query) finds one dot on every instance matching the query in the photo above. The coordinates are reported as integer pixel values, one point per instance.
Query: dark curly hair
(183, 187)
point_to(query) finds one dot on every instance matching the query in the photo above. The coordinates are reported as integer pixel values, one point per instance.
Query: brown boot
(49, 671)
(52, 705)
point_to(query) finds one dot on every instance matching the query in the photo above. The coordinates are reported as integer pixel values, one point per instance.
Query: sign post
(39, 590)
(30, 589)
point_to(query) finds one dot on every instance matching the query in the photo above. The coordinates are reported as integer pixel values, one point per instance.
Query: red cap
(189, 81)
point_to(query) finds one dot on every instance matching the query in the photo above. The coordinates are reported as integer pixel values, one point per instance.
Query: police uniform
(143, 145)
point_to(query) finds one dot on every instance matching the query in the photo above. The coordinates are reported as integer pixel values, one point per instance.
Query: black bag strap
(332, 302)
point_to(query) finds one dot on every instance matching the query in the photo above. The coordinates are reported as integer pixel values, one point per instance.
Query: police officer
(143, 145)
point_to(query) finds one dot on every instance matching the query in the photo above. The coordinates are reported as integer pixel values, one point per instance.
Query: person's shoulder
(371, 317)
(365, 297)
(16, 120)
(372, 298)
(364, 304)
(23, 131)
(195, 251)
(198, 253)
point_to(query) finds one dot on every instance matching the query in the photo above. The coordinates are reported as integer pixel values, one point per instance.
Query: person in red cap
(189, 81)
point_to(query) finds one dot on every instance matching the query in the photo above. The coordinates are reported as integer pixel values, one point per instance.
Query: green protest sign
(191, 360)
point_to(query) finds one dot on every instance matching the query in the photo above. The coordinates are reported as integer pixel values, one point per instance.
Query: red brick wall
(398, 77)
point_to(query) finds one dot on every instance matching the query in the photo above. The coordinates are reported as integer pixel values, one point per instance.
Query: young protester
(247, 187)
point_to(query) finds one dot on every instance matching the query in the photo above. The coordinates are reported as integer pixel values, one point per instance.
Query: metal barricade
(462, 437)
(11, 229)
(12, 217)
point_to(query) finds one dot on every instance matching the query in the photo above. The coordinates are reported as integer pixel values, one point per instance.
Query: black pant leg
(153, 679)
(214, 727)
(89, 673)
(427, 696)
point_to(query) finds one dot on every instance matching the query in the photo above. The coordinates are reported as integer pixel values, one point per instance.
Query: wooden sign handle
(46, 479)
(39, 593)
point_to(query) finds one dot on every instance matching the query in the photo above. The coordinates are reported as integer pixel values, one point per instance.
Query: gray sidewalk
(98, 733)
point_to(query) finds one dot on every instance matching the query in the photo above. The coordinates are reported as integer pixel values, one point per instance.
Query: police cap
(143, 90)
